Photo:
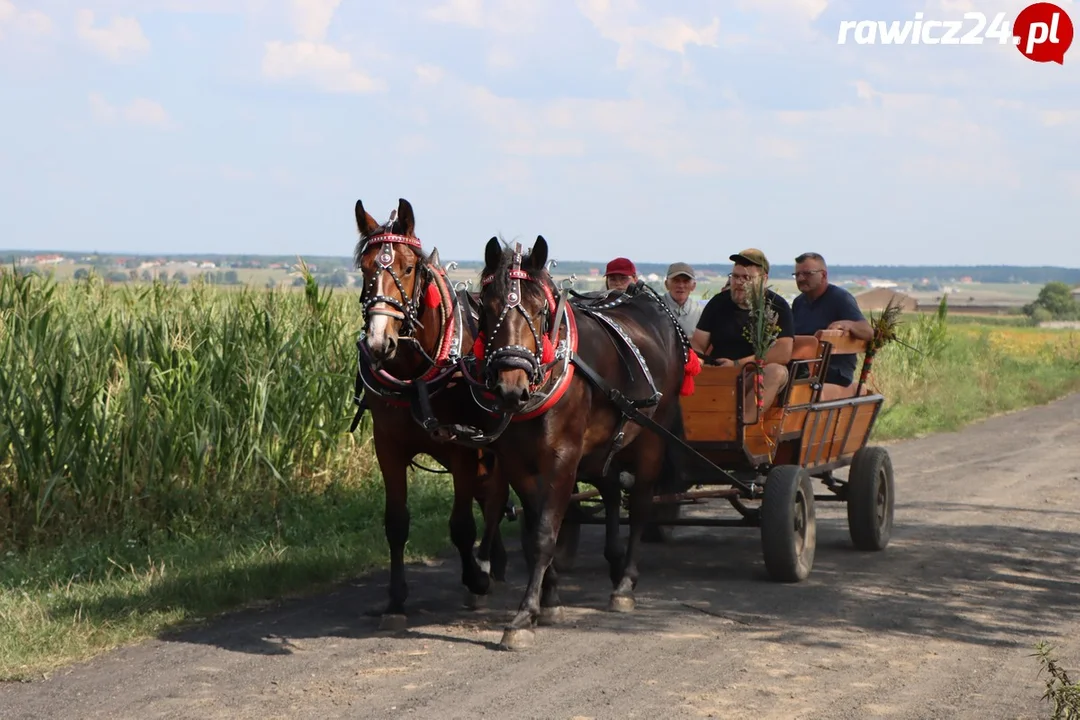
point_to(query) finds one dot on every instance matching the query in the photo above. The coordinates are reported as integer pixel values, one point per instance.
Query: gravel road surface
(984, 562)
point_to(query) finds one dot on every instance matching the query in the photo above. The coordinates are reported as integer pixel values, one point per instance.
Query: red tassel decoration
(548, 353)
(692, 368)
(478, 347)
(431, 296)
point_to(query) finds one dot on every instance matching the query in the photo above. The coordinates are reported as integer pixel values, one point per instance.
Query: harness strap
(616, 328)
(629, 409)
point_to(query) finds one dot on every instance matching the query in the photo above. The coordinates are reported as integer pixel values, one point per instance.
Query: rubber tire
(871, 495)
(789, 495)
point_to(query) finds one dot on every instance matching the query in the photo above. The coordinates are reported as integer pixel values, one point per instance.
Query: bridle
(408, 312)
(520, 357)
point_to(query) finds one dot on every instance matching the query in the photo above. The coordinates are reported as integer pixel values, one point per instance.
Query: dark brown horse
(573, 371)
(415, 330)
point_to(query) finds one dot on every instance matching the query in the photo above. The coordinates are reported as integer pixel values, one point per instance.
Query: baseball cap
(680, 268)
(620, 266)
(752, 256)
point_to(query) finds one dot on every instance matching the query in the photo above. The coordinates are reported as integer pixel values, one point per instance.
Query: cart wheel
(870, 495)
(788, 524)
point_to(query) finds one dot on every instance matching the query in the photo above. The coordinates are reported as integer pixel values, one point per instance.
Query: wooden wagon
(766, 467)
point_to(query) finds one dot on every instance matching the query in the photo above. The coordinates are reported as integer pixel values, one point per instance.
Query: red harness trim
(393, 238)
(563, 383)
(442, 285)
(448, 331)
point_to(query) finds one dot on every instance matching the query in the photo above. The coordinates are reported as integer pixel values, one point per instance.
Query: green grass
(73, 601)
(169, 453)
(959, 376)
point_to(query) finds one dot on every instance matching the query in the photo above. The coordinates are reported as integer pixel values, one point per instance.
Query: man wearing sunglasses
(719, 335)
(823, 305)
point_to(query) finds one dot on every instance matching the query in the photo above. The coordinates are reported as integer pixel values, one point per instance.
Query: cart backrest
(843, 343)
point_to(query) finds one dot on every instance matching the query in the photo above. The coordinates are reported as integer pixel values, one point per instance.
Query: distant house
(1076, 292)
(878, 299)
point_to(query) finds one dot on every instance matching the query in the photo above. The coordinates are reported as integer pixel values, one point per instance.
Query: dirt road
(985, 561)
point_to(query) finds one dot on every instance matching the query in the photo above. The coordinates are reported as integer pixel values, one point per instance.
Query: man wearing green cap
(719, 335)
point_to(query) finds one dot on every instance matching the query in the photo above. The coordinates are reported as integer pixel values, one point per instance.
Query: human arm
(851, 319)
(857, 328)
(700, 341)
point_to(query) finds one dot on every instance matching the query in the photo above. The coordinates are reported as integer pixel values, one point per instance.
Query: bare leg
(774, 380)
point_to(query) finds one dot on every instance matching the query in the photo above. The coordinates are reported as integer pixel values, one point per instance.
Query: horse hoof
(621, 603)
(550, 616)
(393, 623)
(516, 639)
(475, 602)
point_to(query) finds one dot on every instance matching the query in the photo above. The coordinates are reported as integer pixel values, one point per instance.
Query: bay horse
(415, 327)
(581, 377)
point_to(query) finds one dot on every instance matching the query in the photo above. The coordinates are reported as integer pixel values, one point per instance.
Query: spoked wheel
(788, 524)
(870, 498)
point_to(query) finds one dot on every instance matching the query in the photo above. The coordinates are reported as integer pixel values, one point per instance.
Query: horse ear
(492, 253)
(364, 222)
(538, 256)
(405, 216)
(433, 258)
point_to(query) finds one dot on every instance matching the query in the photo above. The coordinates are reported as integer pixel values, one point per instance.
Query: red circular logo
(1043, 32)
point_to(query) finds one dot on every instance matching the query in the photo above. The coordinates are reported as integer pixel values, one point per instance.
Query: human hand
(842, 325)
(725, 362)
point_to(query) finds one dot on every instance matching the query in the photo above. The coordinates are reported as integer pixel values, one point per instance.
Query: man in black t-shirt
(719, 335)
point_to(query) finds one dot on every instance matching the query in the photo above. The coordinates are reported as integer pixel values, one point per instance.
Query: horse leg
(492, 496)
(463, 525)
(611, 493)
(396, 523)
(495, 507)
(543, 519)
(650, 457)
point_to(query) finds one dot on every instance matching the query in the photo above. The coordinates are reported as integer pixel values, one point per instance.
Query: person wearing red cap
(620, 274)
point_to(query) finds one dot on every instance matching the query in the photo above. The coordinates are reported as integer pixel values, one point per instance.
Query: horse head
(398, 279)
(517, 307)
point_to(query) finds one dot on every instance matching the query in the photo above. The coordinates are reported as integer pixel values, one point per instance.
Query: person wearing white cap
(680, 283)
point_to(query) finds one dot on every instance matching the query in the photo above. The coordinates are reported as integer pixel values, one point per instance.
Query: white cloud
(669, 33)
(458, 12)
(794, 10)
(121, 38)
(140, 111)
(498, 16)
(311, 18)
(323, 65)
(23, 22)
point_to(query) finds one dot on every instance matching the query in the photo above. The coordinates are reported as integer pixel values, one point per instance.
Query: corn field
(164, 408)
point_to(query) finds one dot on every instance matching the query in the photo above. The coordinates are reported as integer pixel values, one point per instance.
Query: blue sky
(660, 131)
